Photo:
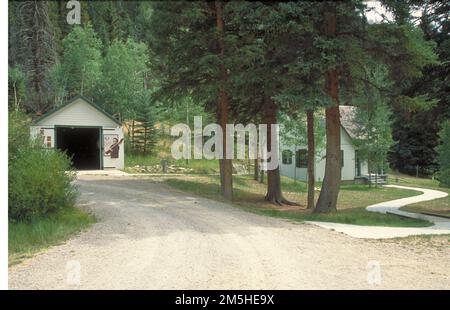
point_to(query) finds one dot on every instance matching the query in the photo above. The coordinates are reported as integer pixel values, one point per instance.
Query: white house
(89, 135)
(293, 159)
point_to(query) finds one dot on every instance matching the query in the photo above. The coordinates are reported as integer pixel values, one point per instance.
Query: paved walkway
(441, 225)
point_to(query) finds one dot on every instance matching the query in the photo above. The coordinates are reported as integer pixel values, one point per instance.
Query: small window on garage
(286, 157)
(342, 158)
(301, 158)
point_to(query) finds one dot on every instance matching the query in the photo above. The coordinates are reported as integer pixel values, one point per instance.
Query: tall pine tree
(33, 47)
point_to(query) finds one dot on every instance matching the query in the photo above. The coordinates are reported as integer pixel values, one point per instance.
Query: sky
(375, 15)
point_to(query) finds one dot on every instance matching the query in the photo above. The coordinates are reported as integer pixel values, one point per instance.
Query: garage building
(91, 137)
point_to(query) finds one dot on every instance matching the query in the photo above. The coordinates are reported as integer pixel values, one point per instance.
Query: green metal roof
(98, 108)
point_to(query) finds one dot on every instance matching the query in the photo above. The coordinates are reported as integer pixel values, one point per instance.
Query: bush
(444, 155)
(38, 183)
(18, 133)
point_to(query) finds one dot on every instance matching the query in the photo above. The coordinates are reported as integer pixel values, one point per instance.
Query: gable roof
(74, 99)
(347, 115)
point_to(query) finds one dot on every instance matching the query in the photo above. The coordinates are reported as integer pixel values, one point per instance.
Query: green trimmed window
(286, 157)
(301, 158)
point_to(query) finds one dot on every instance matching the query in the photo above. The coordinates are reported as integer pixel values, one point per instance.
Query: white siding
(117, 163)
(78, 113)
(47, 135)
(290, 170)
(81, 113)
(348, 170)
(364, 168)
(320, 166)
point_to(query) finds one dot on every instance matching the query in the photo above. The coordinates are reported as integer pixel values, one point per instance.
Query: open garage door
(81, 144)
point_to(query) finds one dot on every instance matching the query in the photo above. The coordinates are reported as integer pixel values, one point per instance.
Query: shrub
(38, 183)
(444, 155)
(18, 133)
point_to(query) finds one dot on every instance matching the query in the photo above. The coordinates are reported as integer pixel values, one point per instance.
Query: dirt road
(149, 236)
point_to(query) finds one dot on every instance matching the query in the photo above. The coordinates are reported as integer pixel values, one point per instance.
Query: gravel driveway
(149, 236)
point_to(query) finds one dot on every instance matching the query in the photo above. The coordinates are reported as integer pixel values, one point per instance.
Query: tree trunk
(332, 179)
(226, 166)
(145, 139)
(256, 163)
(256, 173)
(132, 132)
(274, 193)
(16, 103)
(81, 88)
(261, 176)
(376, 176)
(311, 158)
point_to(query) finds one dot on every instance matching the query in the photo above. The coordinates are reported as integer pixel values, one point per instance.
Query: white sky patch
(377, 12)
(416, 13)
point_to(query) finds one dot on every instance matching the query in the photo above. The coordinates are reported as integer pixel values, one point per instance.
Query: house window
(301, 158)
(342, 158)
(286, 157)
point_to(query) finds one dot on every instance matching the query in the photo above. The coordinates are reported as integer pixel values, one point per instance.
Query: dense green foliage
(16, 87)
(294, 131)
(374, 137)
(59, 60)
(105, 58)
(142, 129)
(163, 62)
(80, 62)
(125, 78)
(37, 180)
(187, 60)
(443, 151)
(427, 97)
(32, 46)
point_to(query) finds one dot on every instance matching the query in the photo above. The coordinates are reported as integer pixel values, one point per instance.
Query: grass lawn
(162, 150)
(151, 164)
(439, 206)
(249, 195)
(25, 239)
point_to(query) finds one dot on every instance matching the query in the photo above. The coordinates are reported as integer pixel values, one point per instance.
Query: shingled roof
(347, 115)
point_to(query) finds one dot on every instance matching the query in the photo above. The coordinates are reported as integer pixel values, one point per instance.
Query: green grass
(353, 198)
(27, 238)
(403, 179)
(355, 216)
(439, 206)
(192, 166)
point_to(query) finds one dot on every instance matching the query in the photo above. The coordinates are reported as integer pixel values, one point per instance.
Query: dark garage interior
(82, 145)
